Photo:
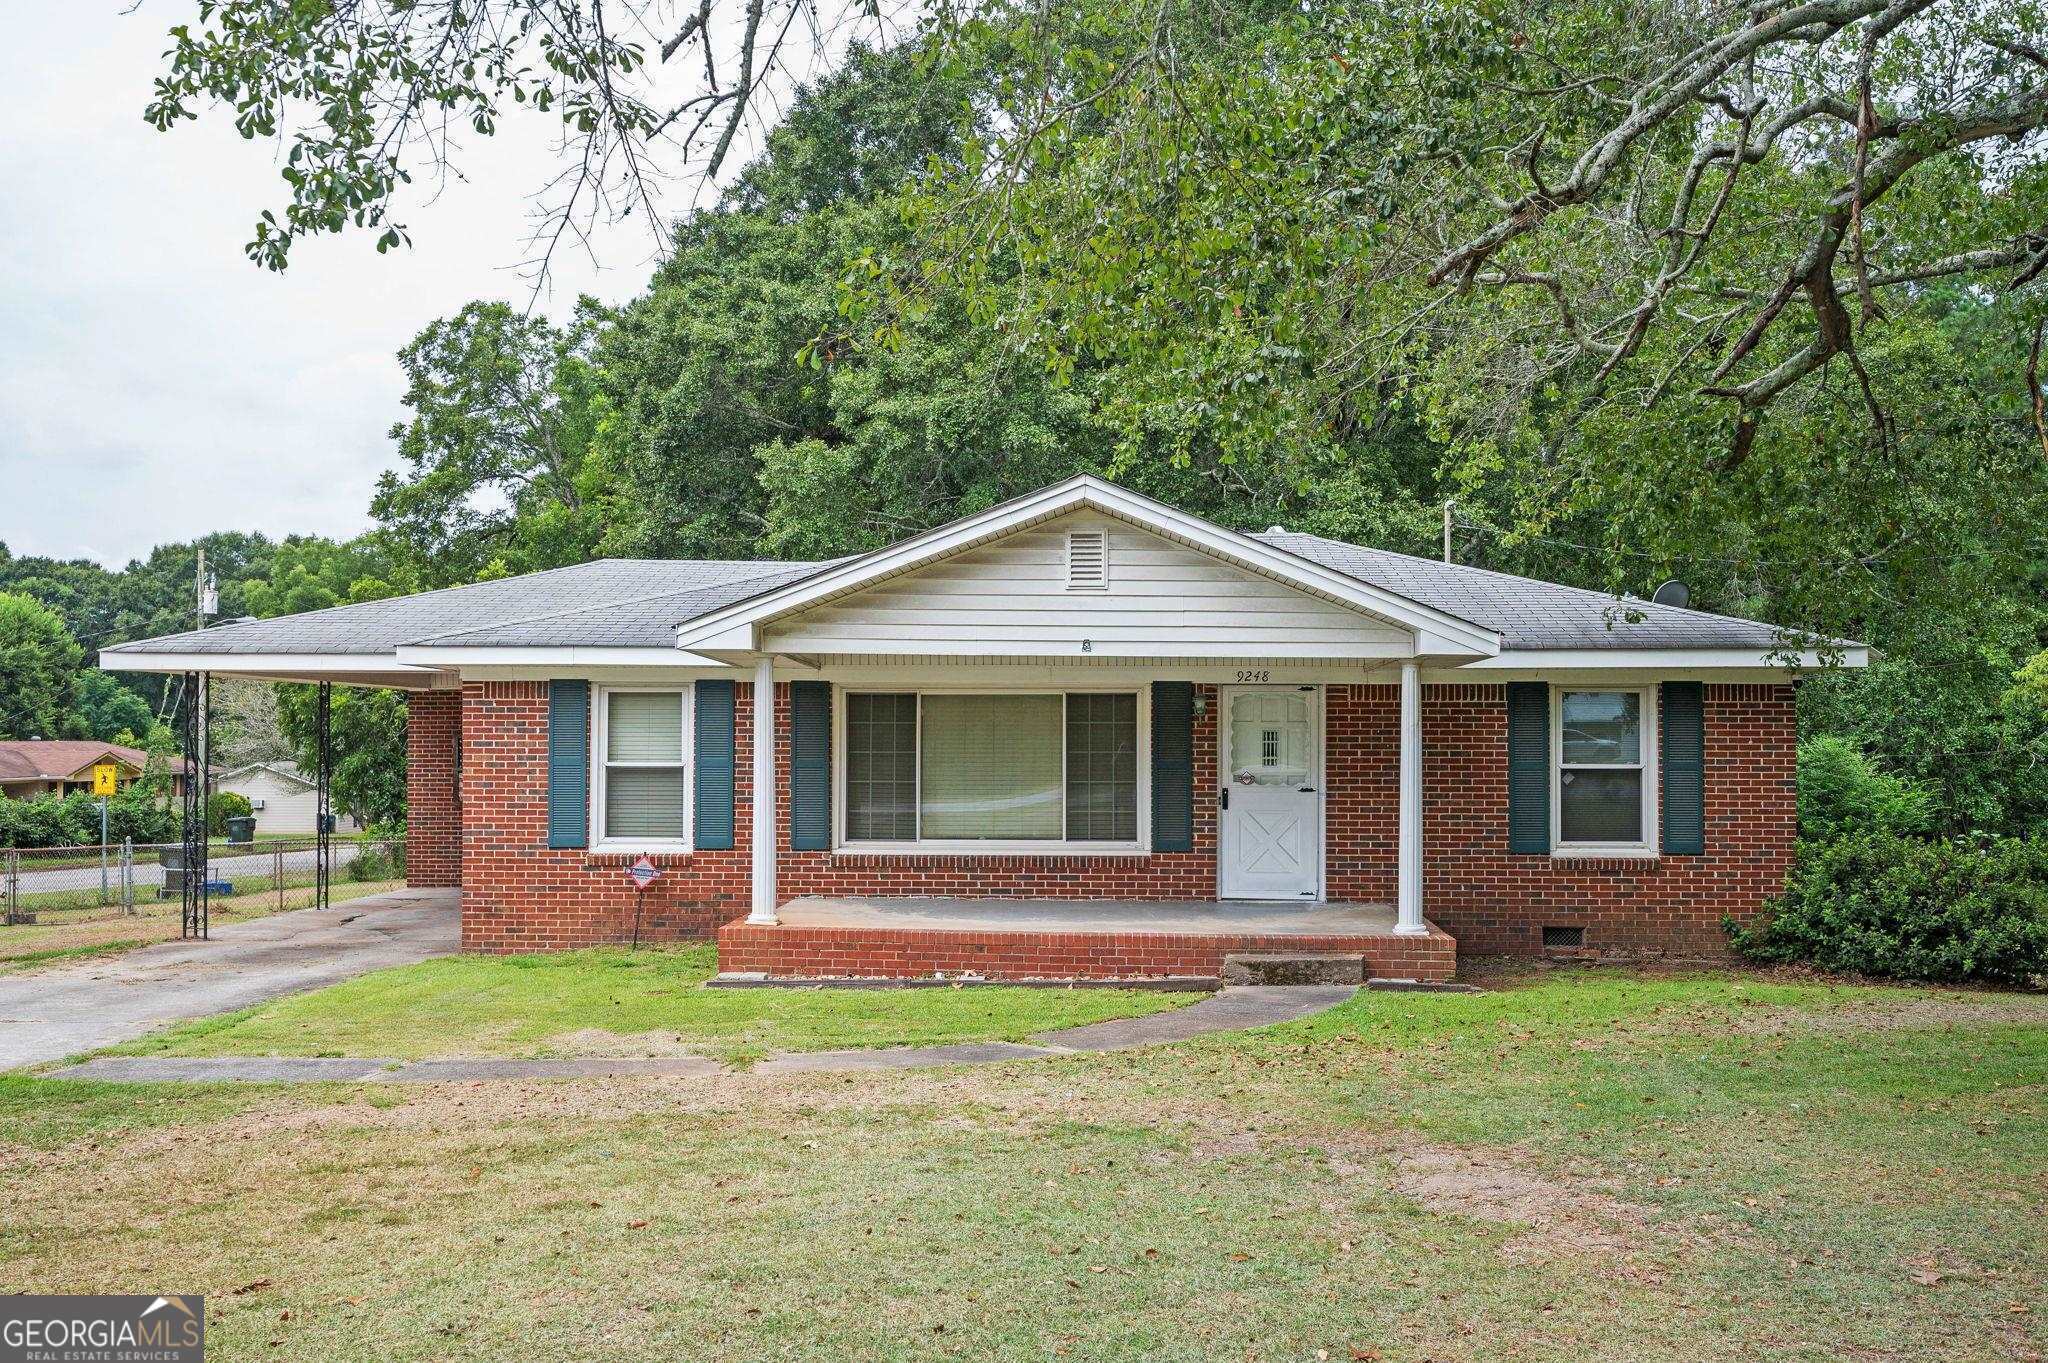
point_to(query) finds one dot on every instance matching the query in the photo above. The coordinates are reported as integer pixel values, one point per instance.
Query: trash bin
(242, 828)
(328, 822)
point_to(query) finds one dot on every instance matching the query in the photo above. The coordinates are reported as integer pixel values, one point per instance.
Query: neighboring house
(282, 799)
(1079, 734)
(32, 767)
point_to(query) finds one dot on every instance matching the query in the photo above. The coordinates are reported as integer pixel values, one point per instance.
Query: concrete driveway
(46, 1015)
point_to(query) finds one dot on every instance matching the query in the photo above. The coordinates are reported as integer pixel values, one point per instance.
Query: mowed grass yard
(1580, 1165)
(611, 1001)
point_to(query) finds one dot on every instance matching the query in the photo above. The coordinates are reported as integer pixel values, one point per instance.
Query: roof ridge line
(1554, 586)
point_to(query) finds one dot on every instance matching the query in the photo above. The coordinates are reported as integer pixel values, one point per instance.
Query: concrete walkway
(48, 1014)
(1229, 1010)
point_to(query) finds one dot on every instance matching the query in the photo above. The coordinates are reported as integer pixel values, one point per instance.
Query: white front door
(1271, 823)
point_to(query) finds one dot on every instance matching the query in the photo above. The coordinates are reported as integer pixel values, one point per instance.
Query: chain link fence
(43, 885)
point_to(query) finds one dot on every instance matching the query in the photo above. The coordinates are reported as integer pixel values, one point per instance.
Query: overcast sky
(155, 385)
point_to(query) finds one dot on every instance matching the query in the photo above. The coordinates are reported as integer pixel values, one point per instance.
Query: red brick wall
(903, 953)
(433, 814)
(1492, 901)
(1362, 785)
(519, 895)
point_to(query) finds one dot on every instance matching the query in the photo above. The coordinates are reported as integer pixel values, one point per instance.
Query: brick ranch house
(1081, 734)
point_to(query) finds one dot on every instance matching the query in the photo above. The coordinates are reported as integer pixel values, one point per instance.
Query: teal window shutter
(1529, 768)
(713, 748)
(1682, 750)
(568, 763)
(810, 766)
(1173, 766)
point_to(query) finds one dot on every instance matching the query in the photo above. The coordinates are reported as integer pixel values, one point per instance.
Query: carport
(193, 660)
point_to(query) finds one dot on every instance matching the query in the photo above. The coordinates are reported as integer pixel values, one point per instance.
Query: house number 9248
(1255, 675)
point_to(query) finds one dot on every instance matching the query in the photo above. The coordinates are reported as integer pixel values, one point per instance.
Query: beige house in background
(282, 799)
(33, 767)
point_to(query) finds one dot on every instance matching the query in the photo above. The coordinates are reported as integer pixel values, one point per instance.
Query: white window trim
(975, 847)
(1647, 755)
(600, 720)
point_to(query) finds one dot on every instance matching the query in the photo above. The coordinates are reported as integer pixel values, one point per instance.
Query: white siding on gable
(1012, 597)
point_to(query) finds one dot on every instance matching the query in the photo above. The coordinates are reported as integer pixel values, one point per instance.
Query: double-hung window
(642, 741)
(1605, 772)
(979, 768)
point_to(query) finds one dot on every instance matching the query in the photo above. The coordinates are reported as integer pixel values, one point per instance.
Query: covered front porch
(1130, 939)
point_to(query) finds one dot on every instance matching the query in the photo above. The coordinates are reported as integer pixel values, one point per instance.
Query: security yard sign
(644, 873)
(104, 775)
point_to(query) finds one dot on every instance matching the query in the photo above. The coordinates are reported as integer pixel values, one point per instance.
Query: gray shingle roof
(647, 622)
(380, 626)
(638, 603)
(1528, 613)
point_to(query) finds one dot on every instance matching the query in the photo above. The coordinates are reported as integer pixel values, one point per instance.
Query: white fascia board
(334, 664)
(428, 655)
(1664, 660)
(737, 626)
(940, 650)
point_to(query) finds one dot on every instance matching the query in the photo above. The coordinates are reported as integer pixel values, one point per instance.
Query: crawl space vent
(1087, 560)
(1563, 937)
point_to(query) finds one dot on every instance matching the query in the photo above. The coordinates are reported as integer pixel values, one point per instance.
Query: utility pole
(1447, 530)
(205, 596)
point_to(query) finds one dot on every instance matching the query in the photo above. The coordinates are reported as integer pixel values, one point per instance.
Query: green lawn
(609, 1001)
(1580, 1166)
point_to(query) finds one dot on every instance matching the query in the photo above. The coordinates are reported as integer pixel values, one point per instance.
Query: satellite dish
(1672, 593)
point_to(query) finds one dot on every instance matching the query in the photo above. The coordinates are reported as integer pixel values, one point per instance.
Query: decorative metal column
(198, 716)
(323, 800)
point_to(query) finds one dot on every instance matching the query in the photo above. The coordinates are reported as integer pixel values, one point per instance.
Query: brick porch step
(1293, 967)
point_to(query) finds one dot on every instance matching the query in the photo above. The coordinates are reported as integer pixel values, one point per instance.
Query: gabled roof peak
(735, 628)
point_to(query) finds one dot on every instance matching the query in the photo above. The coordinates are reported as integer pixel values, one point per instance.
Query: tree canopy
(1748, 296)
(38, 662)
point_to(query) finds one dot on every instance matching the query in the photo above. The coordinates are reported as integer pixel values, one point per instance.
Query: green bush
(377, 861)
(74, 820)
(50, 821)
(221, 806)
(1843, 791)
(147, 818)
(1877, 903)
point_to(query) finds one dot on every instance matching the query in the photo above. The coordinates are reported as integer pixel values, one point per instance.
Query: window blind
(990, 767)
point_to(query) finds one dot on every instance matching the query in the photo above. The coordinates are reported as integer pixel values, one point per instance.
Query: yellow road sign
(104, 775)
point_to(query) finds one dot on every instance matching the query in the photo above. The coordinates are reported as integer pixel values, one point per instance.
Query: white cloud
(155, 385)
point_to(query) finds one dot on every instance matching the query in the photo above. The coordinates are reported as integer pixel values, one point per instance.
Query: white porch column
(764, 793)
(1408, 894)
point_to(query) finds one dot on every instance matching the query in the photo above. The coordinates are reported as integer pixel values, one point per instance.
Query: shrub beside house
(1874, 892)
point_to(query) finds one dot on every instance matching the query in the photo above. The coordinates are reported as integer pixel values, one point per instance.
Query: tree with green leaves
(108, 711)
(38, 662)
(504, 407)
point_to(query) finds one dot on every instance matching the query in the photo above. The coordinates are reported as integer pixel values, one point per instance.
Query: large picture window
(1605, 770)
(643, 741)
(979, 767)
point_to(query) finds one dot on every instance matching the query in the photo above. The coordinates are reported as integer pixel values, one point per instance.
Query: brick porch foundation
(911, 953)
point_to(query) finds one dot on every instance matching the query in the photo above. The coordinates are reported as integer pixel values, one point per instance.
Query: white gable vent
(1087, 560)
